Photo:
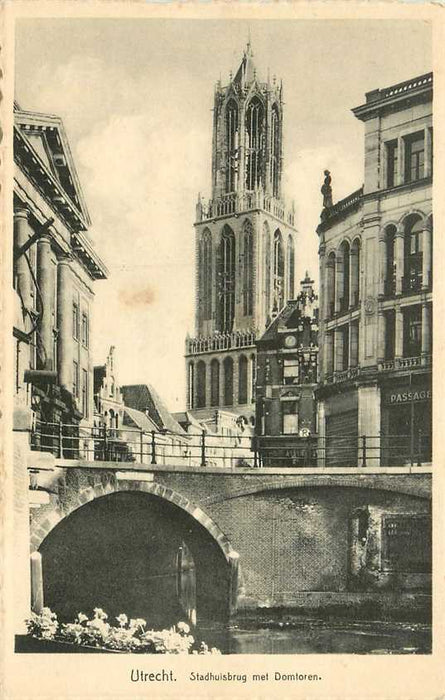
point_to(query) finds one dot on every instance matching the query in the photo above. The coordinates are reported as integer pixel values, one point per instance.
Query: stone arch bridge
(214, 541)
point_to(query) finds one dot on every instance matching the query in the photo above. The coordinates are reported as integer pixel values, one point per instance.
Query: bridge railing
(132, 445)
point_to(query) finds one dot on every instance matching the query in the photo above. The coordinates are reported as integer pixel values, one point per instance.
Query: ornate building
(376, 287)
(287, 360)
(245, 240)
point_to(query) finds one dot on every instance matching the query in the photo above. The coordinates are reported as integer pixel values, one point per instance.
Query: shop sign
(401, 397)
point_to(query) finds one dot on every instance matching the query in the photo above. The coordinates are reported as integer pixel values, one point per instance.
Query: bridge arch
(117, 545)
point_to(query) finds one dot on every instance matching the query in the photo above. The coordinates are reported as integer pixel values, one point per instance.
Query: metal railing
(131, 445)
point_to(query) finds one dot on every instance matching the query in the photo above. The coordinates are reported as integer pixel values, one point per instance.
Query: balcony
(343, 375)
(405, 363)
(220, 341)
(231, 203)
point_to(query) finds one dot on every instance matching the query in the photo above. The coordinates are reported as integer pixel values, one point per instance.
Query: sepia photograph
(221, 294)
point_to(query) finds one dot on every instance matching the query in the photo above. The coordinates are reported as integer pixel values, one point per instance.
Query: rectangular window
(290, 370)
(390, 335)
(289, 410)
(85, 330)
(75, 379)
(85, 393)
(414, 157)
(75, 320)
(392, 159)
(412, 331)
(407, 543)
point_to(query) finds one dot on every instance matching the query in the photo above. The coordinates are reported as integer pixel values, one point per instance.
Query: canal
(312, 636)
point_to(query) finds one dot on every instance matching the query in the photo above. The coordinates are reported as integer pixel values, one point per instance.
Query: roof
(396, 96)
(286, 318)
(138, 419)
(246, 73)
(144, 397)
(42, 151)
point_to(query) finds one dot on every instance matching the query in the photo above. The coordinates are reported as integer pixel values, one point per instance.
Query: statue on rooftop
(326, 190)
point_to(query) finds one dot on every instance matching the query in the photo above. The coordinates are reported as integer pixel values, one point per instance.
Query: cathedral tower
(245, 240)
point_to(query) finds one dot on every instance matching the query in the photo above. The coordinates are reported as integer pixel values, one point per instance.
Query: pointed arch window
(205, 269)
(248, 269)
(242, 380)
(232, 145)
(290, 268)
(254, 129)
(214, 382)
(266, 259)
(278, 271)
(228, 381)
(226, 280)
(201, 384)
(275, 151)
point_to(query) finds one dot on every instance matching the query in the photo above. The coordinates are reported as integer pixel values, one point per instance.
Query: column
(398, 348)
(381, 336)
(383, 260)
(22, 232)
(399, 257)
(328, 354)
(426, 328)
(339, 271)
(46, 282)
(426, 257)
(338, 350)
(64, 324)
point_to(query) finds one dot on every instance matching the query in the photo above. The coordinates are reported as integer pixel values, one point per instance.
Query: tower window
(290, 268)
(254, 127)
(232, 146)
(275, 151)
(248, 270)
(278, 272)
(226, 280)
(205, 271)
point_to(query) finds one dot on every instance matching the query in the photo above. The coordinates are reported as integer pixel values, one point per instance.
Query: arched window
(266, 260)
(278, 272)
(275, 151)
(191, 385)
(330, 285)
(242, 379)
(412, 280)
(205, 274)
(290, 268)
(226, 280)
(253, 376)
(355, 272)
(254, 128)
(214, 382)
(201, 384)
(390, 272)
(232, 145)
(228, 381)
(345, 282)
(248, 269)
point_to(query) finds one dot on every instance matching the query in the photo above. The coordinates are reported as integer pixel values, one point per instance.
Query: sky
(136, 98)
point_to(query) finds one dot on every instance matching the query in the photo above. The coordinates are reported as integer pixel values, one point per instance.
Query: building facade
(55, 268)
(376, 288)
(245, 243)
(287, 361)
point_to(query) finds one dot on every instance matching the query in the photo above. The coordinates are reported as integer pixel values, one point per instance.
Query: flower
(183, 627)
(122, 619)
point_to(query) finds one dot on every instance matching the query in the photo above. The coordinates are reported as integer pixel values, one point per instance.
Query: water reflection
(319, 637)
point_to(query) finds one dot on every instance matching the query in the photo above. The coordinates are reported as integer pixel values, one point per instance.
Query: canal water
(311, 636)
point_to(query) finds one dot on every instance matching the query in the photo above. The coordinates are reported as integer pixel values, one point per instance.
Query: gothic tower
(245, 240)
